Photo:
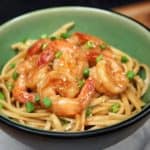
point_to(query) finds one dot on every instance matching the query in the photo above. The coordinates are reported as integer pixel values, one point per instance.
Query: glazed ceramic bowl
(117, 30)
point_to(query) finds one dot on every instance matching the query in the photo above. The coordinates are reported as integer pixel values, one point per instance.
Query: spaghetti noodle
(71, 83)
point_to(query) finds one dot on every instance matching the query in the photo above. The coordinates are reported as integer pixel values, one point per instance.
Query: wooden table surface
(139, 11)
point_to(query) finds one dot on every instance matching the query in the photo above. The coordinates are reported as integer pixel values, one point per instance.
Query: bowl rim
(96, 132)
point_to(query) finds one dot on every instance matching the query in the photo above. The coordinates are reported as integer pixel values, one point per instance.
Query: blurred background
(138, 9)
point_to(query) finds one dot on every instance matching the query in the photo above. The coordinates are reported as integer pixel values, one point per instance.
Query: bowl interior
(118, 31)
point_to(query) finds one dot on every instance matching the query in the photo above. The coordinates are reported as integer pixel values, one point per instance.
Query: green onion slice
(29, 107)
(37, 98)
(13, 65)
(15, 75)
(90, 44)
(44, 45)
(81, 83)
(47, 102)
(65, 35)
(86, 72)
(103, 46)
(98, 58)
(124, 59)
(115, 107)
(130, 75)
(58, 54)
(53, 37)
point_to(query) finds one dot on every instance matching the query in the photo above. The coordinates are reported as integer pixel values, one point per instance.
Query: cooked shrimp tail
(87, 93)
(71, 107)
(20, 91)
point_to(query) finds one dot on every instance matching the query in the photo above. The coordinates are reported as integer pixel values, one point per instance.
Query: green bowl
(119, 31)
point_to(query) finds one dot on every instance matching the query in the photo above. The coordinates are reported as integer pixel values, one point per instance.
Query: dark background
(13, 8)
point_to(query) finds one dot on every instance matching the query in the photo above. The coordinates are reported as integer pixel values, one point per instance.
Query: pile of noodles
(99, 109)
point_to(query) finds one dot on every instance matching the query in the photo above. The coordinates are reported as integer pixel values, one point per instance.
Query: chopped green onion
(98, 58)
(53, 37)
(9, 86)
(2, 96)
(29, 107)
(81, 83)
(124, 59)
(58, 54)
(37, 98)
(86, 72)
(43, 36)
(103, 46)
(43, 46)
(13, 65)
(15, 75)
(88, 111)
(47, 102)
(90, 44)
(115, 107)
(130, 75)
(65, 35)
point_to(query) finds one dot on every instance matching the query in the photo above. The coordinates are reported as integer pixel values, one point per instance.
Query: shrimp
(61, 83)
(72, 61)
(29, 77)
(110, 77)
(35, 69)
(98, 83)
(108, 73)
(44, 49)
(31, 80)
(80, 38)
(92, 55)
(37, 46)
(20, 91)
(68, 107)
(98, 47)
(35, 77)
(47, 50)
